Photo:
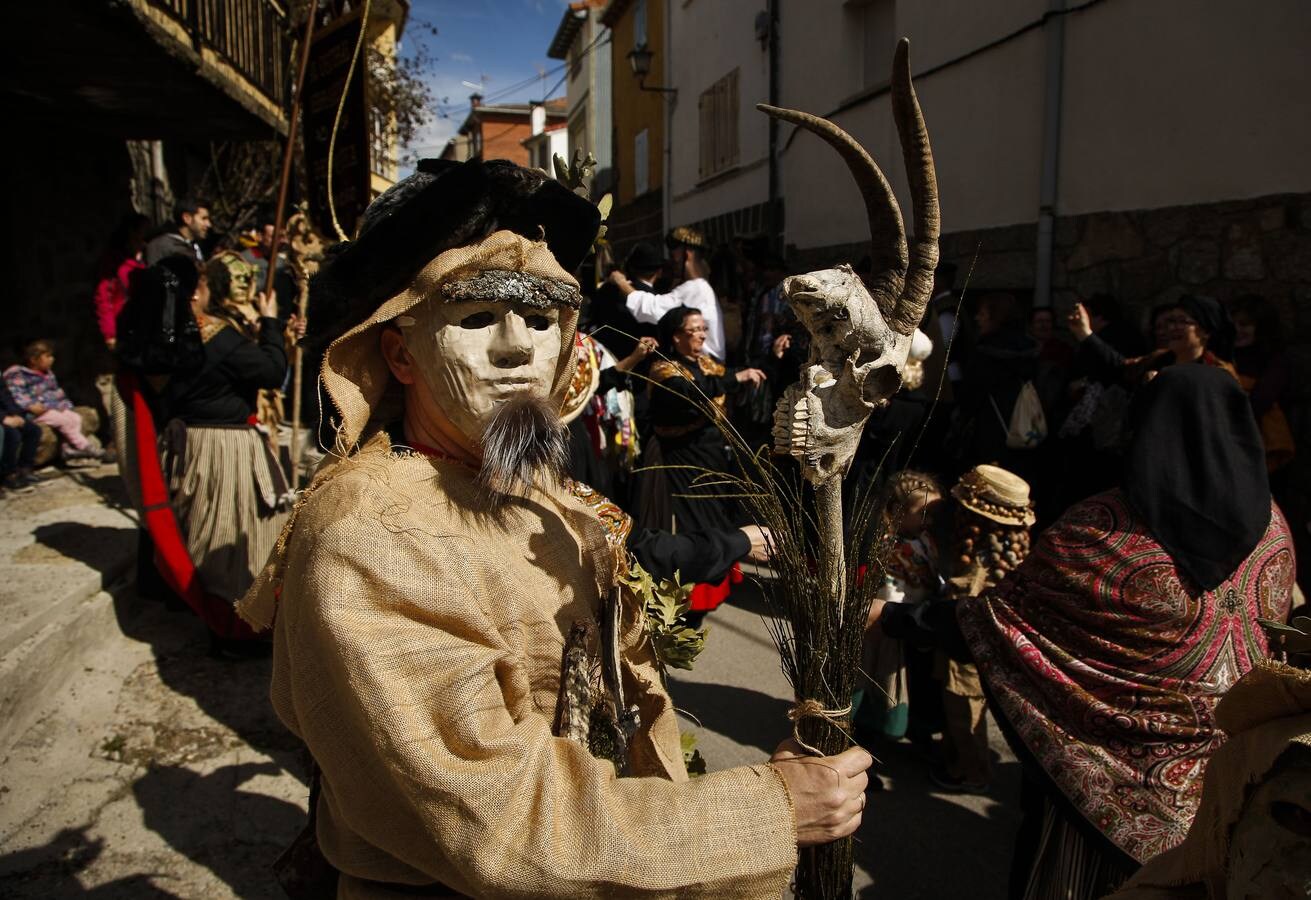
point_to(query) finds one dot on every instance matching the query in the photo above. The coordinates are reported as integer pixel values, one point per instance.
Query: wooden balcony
(198, 69)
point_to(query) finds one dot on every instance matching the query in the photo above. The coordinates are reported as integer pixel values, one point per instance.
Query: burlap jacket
(417, 652)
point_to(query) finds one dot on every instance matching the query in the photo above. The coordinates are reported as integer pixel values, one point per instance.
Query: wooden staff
(298, 362)
(281, 210)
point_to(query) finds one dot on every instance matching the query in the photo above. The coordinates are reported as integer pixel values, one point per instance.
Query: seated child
(18, 445)
(36, 391)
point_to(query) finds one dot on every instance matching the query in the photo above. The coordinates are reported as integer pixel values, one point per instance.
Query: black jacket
(223, 391)
(610, 322)
(8, 407)
(994, 373)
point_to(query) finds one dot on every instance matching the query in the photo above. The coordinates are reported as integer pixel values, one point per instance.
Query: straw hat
(996, 494)
(686, 236)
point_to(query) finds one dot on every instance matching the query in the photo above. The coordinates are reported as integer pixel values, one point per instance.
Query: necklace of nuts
(997, 548)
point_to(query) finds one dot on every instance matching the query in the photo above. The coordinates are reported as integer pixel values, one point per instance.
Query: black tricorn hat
(443, 205)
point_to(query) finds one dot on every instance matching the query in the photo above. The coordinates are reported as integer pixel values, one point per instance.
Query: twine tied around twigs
(813, 709)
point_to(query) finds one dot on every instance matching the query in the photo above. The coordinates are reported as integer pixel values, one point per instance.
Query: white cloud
(432, 137)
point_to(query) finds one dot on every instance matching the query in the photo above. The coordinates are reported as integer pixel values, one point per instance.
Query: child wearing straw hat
(990, 539)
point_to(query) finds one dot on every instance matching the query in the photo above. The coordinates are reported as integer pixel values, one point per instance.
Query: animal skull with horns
(860, 336)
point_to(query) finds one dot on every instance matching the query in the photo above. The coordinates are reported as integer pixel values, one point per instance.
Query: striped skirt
(230, 498)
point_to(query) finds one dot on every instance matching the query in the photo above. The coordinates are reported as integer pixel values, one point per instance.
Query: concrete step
(65, 548)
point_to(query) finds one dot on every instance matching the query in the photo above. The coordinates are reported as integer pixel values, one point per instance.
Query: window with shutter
(718, 112)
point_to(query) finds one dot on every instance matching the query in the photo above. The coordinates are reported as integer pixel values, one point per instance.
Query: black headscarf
(1195, 470)
(669, 324)
(1212, 318)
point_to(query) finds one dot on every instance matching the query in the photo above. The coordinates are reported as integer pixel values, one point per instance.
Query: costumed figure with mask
(454, 639)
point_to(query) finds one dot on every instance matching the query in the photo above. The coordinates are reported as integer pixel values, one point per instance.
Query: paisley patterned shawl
(1108, 664)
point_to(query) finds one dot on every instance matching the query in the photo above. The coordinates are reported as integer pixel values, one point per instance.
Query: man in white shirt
(687, 250)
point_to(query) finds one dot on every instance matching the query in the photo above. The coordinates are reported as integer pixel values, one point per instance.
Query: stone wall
(1143, 257)
(1149, 257)
(61, 205)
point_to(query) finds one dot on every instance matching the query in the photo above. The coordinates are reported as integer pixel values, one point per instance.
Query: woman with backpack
(193, 374)
(1004, 360)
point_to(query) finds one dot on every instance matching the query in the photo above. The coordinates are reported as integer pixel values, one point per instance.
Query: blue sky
(497, 43)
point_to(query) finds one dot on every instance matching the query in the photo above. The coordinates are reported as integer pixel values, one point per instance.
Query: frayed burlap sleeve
(438, 763)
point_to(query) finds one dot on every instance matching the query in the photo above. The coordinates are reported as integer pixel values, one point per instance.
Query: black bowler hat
(643, 258)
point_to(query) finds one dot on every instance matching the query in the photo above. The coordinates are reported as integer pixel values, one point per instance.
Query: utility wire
(603, 36)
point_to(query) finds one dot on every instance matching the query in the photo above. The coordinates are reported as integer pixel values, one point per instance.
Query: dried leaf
(665, 606)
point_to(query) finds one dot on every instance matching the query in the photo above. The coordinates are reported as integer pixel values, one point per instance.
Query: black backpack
(157, 333)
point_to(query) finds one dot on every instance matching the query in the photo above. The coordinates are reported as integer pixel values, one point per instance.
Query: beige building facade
(719, 145)
(582, 42)
(1179, 143)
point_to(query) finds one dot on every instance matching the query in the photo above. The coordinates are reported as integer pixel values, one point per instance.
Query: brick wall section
(503, 137)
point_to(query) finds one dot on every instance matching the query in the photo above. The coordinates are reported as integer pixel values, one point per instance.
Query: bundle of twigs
(819, 631)
(819, 620)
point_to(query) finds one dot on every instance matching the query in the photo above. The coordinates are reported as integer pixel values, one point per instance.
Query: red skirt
(705, 597)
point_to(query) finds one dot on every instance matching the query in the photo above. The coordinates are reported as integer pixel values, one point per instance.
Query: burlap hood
(1265, 713)
(354, 372)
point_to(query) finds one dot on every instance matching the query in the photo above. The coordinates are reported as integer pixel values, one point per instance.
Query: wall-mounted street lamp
(640, 59)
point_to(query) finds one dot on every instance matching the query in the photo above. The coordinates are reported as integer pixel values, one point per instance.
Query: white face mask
(474, 356)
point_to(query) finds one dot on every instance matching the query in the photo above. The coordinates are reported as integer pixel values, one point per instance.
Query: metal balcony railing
(250, 35)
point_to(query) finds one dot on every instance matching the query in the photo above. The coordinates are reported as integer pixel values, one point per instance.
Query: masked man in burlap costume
(439, 583)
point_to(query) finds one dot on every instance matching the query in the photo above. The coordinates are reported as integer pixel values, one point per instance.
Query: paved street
(163, 773)
(739, 694)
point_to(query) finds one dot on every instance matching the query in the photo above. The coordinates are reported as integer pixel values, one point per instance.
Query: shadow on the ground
(749, 717)
(750, 596)
(51, 871)
(100, 547)
(106, 483)
(233, 692)
(911, 824)
(194, 812)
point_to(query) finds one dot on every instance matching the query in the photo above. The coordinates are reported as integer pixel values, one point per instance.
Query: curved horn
(886, 232)
(918, 156)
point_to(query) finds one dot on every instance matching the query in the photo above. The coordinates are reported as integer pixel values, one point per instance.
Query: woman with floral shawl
(1105, 653)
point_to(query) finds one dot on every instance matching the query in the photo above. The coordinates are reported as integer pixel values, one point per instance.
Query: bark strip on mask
(501, 286)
